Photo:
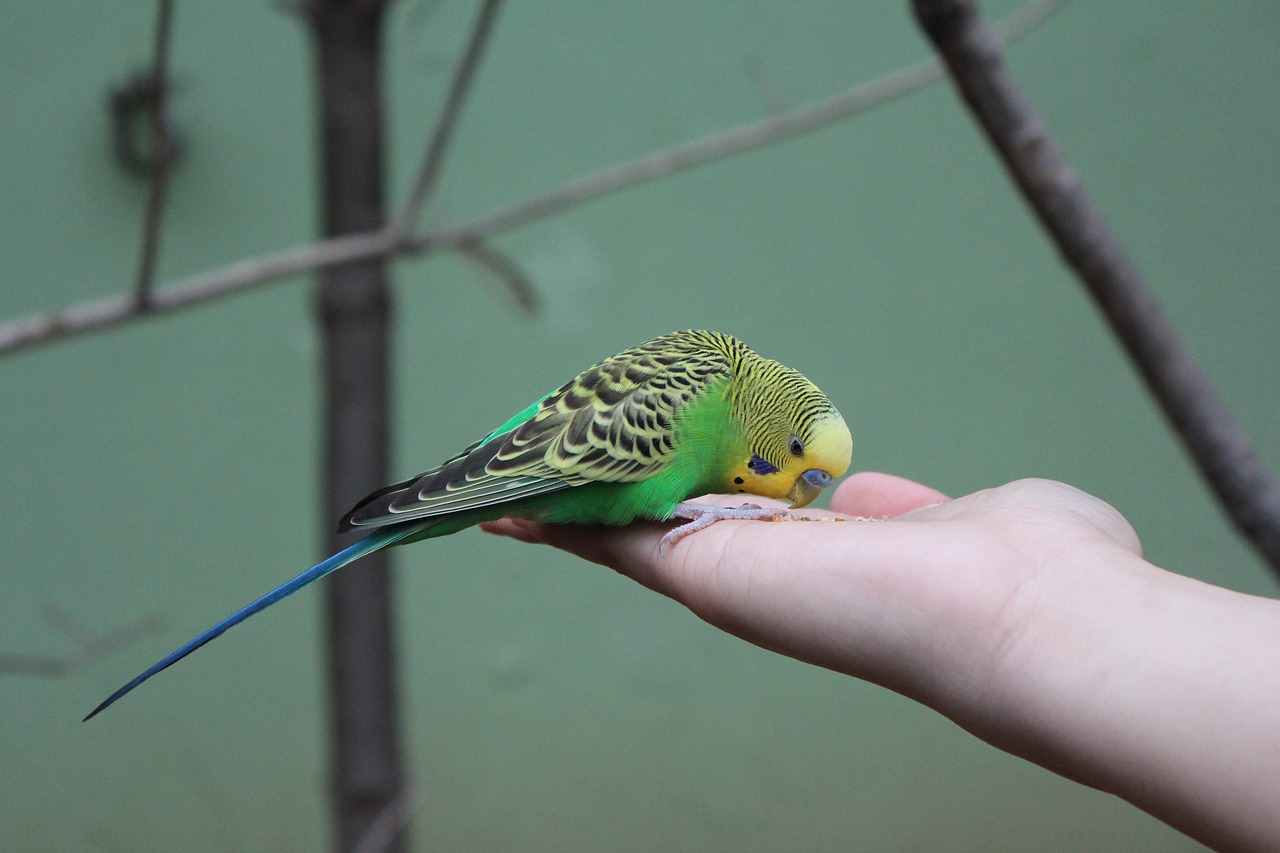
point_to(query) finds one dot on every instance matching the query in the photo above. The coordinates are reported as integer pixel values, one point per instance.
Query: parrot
(632, 438)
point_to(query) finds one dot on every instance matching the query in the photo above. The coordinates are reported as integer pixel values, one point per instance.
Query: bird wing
(612, 423)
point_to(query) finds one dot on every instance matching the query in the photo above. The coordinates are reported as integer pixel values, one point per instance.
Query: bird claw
(701, 516)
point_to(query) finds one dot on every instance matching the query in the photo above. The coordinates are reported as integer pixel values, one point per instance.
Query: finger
(873, 494)
(615, 547)
(513, 528)
(608, 546)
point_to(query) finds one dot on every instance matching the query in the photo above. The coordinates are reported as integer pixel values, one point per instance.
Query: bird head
(796, 464)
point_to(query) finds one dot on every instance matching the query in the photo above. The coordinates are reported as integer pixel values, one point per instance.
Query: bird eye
(796, 446)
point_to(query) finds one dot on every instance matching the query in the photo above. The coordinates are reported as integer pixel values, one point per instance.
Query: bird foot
(701, 516)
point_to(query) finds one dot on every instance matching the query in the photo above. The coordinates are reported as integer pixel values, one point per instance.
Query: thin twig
(728, 143)
(446, 125)
(1054, 190)
(106, 312)
(89, 646)
(505, 269)
(162, 155)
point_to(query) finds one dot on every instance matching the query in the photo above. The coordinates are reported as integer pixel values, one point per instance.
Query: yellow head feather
(798, 440)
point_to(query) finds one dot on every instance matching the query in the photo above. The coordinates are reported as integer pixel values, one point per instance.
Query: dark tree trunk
(353, 305)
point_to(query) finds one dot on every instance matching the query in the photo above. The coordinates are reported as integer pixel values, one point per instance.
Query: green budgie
(634, 437)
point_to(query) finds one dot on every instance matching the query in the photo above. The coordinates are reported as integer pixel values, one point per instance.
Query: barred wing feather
(612, 423)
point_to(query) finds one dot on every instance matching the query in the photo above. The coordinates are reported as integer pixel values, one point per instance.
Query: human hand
(1025, 613)
(922, 602)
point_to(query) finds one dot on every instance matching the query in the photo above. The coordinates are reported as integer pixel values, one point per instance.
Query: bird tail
(375, 541)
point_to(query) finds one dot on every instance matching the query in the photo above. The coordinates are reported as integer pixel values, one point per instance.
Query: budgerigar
(634, 437)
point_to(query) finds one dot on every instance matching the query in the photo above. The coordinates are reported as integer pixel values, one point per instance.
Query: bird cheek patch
(756, 478)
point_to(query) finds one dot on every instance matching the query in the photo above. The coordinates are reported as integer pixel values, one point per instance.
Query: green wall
(169, 467)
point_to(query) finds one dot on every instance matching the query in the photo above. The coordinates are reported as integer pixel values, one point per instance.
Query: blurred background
(169, 467)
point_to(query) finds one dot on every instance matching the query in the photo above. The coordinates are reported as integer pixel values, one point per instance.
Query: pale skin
(1024, 613)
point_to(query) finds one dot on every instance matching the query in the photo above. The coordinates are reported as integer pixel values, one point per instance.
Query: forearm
(1156, 688)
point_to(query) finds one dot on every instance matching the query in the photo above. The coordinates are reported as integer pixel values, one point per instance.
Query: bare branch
(106, 312)
(428, 176)
(718, 146)
(504, 268)
(1054, 190)
(89, 646)
(162, 148)
(103, 313)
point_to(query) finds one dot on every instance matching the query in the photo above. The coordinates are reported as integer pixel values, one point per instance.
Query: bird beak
(808, 486)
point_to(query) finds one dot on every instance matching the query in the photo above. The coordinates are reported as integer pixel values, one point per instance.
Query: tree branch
(428, 176)
(89, 646)
(162, 151)
(506, 270)
(1052, 188)
(107, 312)
(719, 146)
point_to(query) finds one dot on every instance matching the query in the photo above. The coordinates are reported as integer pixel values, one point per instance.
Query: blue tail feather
(373, 542)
